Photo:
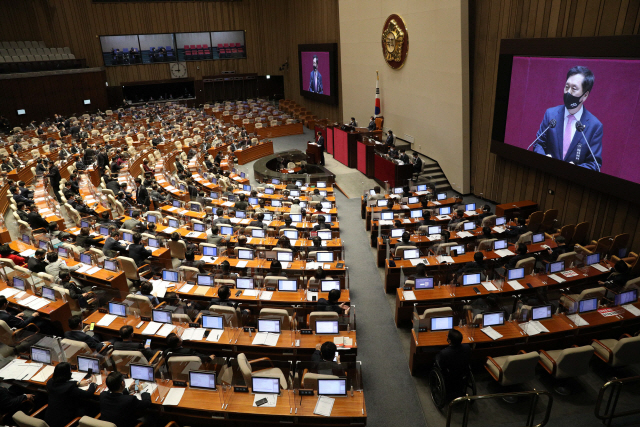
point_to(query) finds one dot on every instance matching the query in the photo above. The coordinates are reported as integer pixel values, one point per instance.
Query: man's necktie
(566, 141)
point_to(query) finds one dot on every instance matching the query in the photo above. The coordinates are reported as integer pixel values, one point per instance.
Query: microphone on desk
(580, 128)
(552, 124)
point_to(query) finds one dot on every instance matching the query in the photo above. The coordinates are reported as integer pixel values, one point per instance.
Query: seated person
(77, 333)
(126, 343)
(19, 321)
(190, 261)
(57, 265)
(112, 247)
(377, 195)
(137, 251)
(213, 237)
(486, 211)
(146, 289)
(486, 234)
(225, 271)
(133, 222)
(118, 405)
(324, 356)
(75, 291)
(516, 231)
(37, 263)
(617, 279)
(13, 400)
(322, 225)
(175, 348)
(287, 223)
(559, 250)
(241, 204)
(224, 293)
(456, 218)
(66, 398)
(521, 253)
(476, 266)
(405, 240)
(85, 240)
(257, 222)
(333, 303)
(454, 363)
(7, 252)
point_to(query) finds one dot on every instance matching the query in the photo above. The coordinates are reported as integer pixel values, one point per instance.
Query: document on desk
(408, 295)
(266, 295)
(464, 234)
(324, 406)
(93, 270)
(435, 202)
(417, 261)
(152, 328)
(311, 265)
(272, 400)
(285, 265)
(19, 369)
(174, 397)
(250, 293)
(489, 286)
(241, 264)
(503, 252)
(28, 253)
(235, 220)
(600, 267)
(498, 229)
(443, 217)
(208, 259)
(44, 374)
(165, 330)
(107, 319)
(444, 258)
(533, 327)
(186, 288)
(193, 234)
(83, 269)
(9, 292)
(169, 230)
(311, 294)
(28, 300)
(201, 290)
(38, 303)
(632, 309)
(578, 320)
(470, 213)
(434, 237)
(515, 285)
(266, 338)
(214, 335)
(556, 278)
(381, 222)
(491, 333)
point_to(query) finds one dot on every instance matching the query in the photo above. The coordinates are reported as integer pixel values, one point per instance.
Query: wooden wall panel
(502, 180)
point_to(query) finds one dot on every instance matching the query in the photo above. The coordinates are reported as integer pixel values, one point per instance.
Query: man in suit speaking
(315, 81)
(565, 142)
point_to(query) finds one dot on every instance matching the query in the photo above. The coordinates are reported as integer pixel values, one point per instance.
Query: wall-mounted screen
(318, 70)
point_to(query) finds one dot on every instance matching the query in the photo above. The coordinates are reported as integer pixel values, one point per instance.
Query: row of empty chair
(34, 58)
(22, 44)
(34, 51)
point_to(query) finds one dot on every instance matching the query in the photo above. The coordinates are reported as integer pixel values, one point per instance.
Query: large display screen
(318, 72)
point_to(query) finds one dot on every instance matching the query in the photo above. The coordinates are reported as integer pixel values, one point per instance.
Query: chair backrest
(568, 258)
(179, 366)
(321, 315)
(231, 318)
(580, 233)
(273, 280)
(535, 220)
(528, 264)
(122, 359)
(73, 349)
(519, 368)
(549, 219)
(399, 252)
(283, 315)
(625, 352)
(310, 379)
(178, 249)
(619, 243)
(573, 361)
(92, 422)
(567, 232)
(140, 304)
(245, 369)
(6, 334)
(632, 284)
(436, 312)
(592, 293)
(525, 238)
(485, 245)
(128, 265)
(24, 420)
(74, 306)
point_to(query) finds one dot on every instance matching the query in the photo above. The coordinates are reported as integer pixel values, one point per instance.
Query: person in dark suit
(174, 343)
(323, 358)
(372, 124)
(19, 197)
(133, 222)
(137, 251)
(54, 178)
(126, 343)
(77, 333)
(389, 141)
(113, 246)
(113, 185)
(320, 143)
(404, 157)
(332, 303)
(12, 401)
(35, 220)
(416, 161)
(315, 79)
(66, 399)
(521, 253)
(476, 266)
(454, 363)
(37, 263)
(565, 142)
(19, 321)
(519, 229)
(322, 224)
(118, 406)
(241, 204)
(85, 240)
(142, 195)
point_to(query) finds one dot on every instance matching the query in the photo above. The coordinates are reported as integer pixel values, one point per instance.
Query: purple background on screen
(323, 67)
(538, 84)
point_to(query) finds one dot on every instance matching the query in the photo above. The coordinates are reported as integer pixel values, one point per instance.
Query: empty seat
(65, 56)
(41, 44)
(567, 363)
(517, 369)
(617, 353)
(4, 52)
(66, 50)
(21, 44)
(71, 56)
(30, 58)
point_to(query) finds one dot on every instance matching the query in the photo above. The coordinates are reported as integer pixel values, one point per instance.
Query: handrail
(610, 410)
(467, 400)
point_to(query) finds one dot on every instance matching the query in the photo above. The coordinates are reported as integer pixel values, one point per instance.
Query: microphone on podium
(580, 128)
(552, 124)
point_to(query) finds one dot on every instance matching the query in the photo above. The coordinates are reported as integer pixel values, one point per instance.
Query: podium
(395, 175)
(314, 153)
(345, 144)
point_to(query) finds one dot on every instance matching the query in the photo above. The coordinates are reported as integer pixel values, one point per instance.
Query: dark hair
(225, 266)
(406, 236)
(522, 221)
(561, 240)
(621, 266)
(52, 257)
(224, 292)
(41, 252)
(126, 331)
(486, 231)
(146, 288)
(5, 249)
(74, 321)
(522, 249)
(3, 301)
(135, 214)
(478, 257)
(114, 381)
(455, 337)
(587, 83)
(61, 373)
(189, 255)
(137, 238)
(334, 295)
(173, 341)
(328, 350)
(175, 236)
(421, 270)
(114, 232)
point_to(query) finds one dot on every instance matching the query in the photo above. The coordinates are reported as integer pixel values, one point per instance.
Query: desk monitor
(284, 256)
(537, 238)
(298, 183)
(173, 223)
(43, 244)
(212, 322)
(22, 112)
(416, 213)
(329, 285)
(111, 265)
(295, 217)
(593, 259)
(200, 228)
(275, 181)
(18, 283)
(127, 237)
(246, 187)
(332, 387)
(226, 230)
(556, 267)
(469, 225)
(321, 184)
(244, 283)
(386, 216)
(329, 327)
(63, 252)
(458, 248)
(294, 193)
(259, 233)
(382, 202)
(411, 254)
(141, 372)
(85, 363)
(118, 309)
(276, 203)
(152, 218)
(243, 175)
(104, 231)
(211, 251)
(246, 254)
(587, 305)
(291, 234)
(421, 187)
(253, 201)
(470, 207)
(183, 187)
(324, 256)
(214, 181)
(325, 235)
(26, 239)
(500, 220)
(628, 297)
(268, 191)
(325, 205)
(541, 312)
(41, 355)
(202, 379)
(397, 232)
(424, 283)
(194, 207)
(176, 203)
(84, 223)
(265, 385)
(327, 218)
(161, 316)
(493, 319)
(287, 285)
(515, 273)
(441, 323)
(434, 229)
(170, 276)
(214, 195)
(48, 293)
(471, 279)
(205, 280)
(269, 325)
(441, 196)
(500, 244)
(445, 211)
(241, 214)
(413, 200)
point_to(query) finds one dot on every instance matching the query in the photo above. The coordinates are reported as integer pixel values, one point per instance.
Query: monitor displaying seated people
(152, 218)
(226, 230)
(259, 233)
(471, 279)
(469, 225)
(328, 327)
(411, 254)
(386, 216)
(592, 259)
(295, 217)
(118, 309)
(332, 387)
(200, 228)
(456, 250)
(441, 323)
(441, 196)
(500, 244)
(628, 297)
(493, 319)
(284, 256)
(501, 221)
(127, 237)
(245, 254)
(211, 251)
(329, 285)
(244, 283)
(48, 293)
(444, 211)
(205, 380)
(424, 283)
(397, 232)
(541, 312)
(173, 223)
(111, 264)
(537, 238)
(161, 316)
(212, 322)
(265, 385)
(470, 207)
(556, 267)
(142, 372)
(515, 273)
(587, 305)
(416, 213)
(269, 325)
(241, 214)
(85, 363)
(41, 355)
(205, 280)
(324, 256)
(18, 283)
(291, 234)
(287, 285)
(434, 230)
(170, 276)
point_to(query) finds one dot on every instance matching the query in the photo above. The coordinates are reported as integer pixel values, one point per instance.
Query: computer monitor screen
(243, 175)
(104, 231)
(244, 283)
(48, 293)
(169, 275)
(287, 285)
(110, 264)
(212, 322)
(323, 193)
(199, 227)
(441, 323)
(26, 239)
(445, 211)
(397, 232)
(194, 207)
(469, 225)
(18, 283)
(62, 252)
(329, 285)
(214, 181)
(214, 194)
(268, 191)
(202, 379)
(458, 248)
(259, 233)
(382, 202)
(245, 254)
(434, 229)
(628, 297)
(327, 327)
(176, 203)
(471, 279)
(43, 244)
(332, 387)
(226, 231)
(183, 187)
(441, 196)
(324, 235)
(84, 223)
(253, 201)
(493, 319)
(541, 312)
(284, 256)
(412, 200)
(276, 203)
(424, 283)
(86, 363)
(241, 214)
(41, 355)
(268, 216)
(205, 280)
(161, 316)
(325, 205)
(411, 254)
(324, 256)
(556, 267)
(500, 244)
(211, 251)
(327, 217)
(386, 216)
(593, 259)
(173, 223)
(295, 217)
(142, 372)
(269, 325)
(246, 187)
(117, 309)
(416, 213)
(275, 181)
(127, 237)
(537, 238)
(291, 234)
(265, 385)
(515, 273)
(294, 193)
(470, 207)
(500, 220)
(151, 218)
(321, 184)
(587, 305)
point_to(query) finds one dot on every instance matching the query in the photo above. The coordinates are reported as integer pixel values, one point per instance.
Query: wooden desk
(398, 209)
(314, 153)
(282, 130)
(57, 312)
(366, 161)
(255, 152)
(388, 171)
(525, 208)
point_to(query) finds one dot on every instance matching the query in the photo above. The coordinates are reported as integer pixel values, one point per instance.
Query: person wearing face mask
(564, 141)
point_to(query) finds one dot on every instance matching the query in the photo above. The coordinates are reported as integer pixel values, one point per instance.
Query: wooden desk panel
(282, 130)
(253, 153)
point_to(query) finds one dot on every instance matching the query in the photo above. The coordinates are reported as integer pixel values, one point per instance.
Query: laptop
(118, 309)
(287, 285)
(86, 363)
(412, 200)
(327, 327)
(397, 190)
(170, 276)
(84, 224)
(386, 216)
(173, 223)
(459, 250)
(41, 355)
(161, 316)
(212, 322)
(441, 323)
(592, 259)
(500, 221)
(18, 283)
(332, 387)
(265, 385)
(470, 207)
(253, 201)
(321, 184)
(382, 202)
(63, 252)
(210, 251)
(205, 380)
(424, 283)
(152, 218)
(268, 191)
(541, 312)
(226, 230)
(493, 319)
(104, 231)
(241, 214)
(329, 285)
(127, 237)
(291, 234)
(421, 187)
(244, 283)
(201, 228)
(295, 217)
(471, 279)
(325, 235)
(324, 256)
(276, 203)
(142, 372)
(515, 273)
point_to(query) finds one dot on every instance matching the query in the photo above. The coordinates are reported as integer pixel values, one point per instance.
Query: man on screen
(315, 81)
(564, 142)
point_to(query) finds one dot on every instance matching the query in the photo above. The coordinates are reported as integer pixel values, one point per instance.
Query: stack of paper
(409, 295)
(208, 259)
(43, 375)
(152, 328)
(193, 334)
(515, 285)
(324, 406)
(9, 292)
(443, 217)
(504, 252)
(600, 267)
(83, 269)
(250, 293)
(385, 222)
(417, 261)
(193, 234)
(491, 333)
(93, 270)
(186, 288)
(498, 229)
(214, 335)
(266, 295)
(241, 264)
(19, 369)
(533, 327)
(266, 338)
(201, 290)
(435, 202)
(489, 286)
(28, 253)
(169, 230)
(311, 294)
(632, 309)
(444, 258)
(464, 234)
(38, 303)
(166, 329)
(579, 321)
(343, 342)
(106, 320)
